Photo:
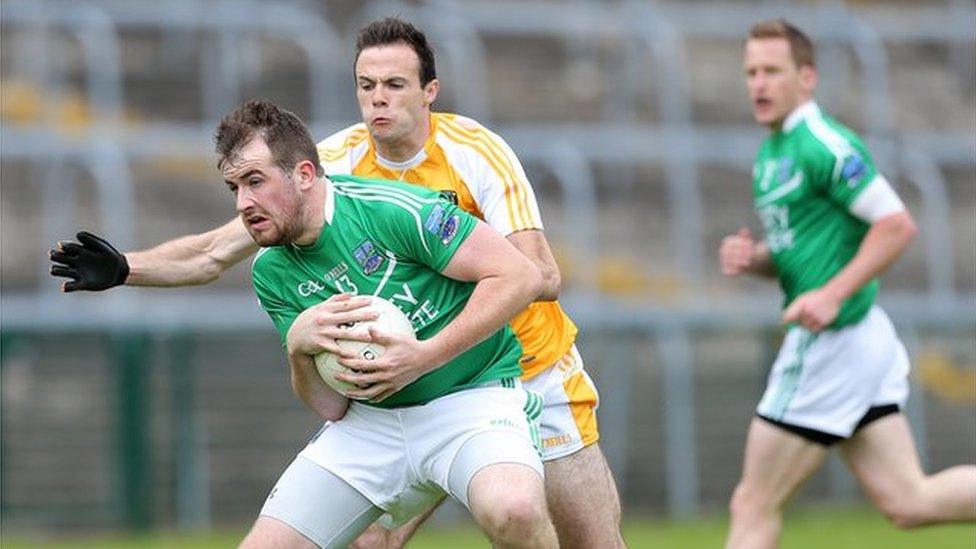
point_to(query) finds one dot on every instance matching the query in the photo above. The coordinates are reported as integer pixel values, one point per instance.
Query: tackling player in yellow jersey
(401, 139)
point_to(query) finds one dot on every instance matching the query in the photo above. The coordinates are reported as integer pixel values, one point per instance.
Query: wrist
(834, 292)
(123, 274)
(434, 353)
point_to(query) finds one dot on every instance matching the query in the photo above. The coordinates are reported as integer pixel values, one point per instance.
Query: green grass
(832, 528)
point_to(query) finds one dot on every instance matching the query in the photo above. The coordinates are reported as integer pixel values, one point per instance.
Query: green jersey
(805, 178)
(391, 240)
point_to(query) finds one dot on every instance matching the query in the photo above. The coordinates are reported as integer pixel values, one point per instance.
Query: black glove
(91, 265)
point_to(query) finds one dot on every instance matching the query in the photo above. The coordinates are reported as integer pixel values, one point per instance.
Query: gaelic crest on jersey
(449, 229)
(368, 257)
(853, 169)
(442, 225)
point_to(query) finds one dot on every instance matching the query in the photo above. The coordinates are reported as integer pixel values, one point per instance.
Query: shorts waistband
(505, 383)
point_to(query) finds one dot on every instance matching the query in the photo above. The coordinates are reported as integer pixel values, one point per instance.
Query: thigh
(366, 450)
(883, 458)
(583, 499)
(484, 452)
(315, 503)
(777, 463)
(568, 422)
(454, 437)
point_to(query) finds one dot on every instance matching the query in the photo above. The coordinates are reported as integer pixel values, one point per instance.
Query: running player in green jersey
(832, 224)
(440, 413)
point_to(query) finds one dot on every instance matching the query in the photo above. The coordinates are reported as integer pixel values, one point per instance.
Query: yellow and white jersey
(464, 158)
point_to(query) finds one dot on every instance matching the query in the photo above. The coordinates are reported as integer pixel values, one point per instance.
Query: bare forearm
(312, 391)
(494, 302)
(191, 260)
(534, 246)
(882, 245)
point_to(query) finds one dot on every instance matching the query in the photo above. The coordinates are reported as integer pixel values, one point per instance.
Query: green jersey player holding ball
(832, 224)
(440, 413)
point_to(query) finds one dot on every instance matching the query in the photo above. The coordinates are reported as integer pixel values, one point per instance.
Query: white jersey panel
(493, 174)
(343, 150)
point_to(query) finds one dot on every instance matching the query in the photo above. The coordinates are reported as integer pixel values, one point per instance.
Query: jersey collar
(329, 207)
(406, 164)
(800, 114)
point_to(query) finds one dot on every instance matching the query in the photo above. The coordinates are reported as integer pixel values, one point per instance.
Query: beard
(284, 227)
(277, 235)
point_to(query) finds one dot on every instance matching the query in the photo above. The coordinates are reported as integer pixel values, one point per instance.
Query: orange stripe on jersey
(449, 131)
(499, 161)
(518, 184)
(483, 136)
(354, 138)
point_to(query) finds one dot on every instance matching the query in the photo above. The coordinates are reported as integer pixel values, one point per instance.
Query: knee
(750, 501)
(515, 516)
(901, 513)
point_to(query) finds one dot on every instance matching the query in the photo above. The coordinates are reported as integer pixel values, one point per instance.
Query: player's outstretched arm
(93, 264)
(191, 260)
(533, 245)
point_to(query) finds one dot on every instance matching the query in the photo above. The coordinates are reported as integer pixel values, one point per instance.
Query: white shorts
(568, 422)
(404, 459)
(828, 381)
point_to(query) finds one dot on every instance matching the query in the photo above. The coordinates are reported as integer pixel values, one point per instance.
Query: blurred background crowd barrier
(162, 408)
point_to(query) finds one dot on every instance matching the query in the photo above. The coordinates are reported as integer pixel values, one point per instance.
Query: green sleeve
(842, 174)
(856, 172)
(433, 242)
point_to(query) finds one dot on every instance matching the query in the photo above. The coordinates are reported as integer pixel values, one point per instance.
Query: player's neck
(406, 147)
(314, 213)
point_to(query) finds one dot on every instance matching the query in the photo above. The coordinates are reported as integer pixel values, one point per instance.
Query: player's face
(268, 199)
(395, 107)
(776, 85)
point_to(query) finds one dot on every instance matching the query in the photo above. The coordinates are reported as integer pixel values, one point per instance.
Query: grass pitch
(811, 528)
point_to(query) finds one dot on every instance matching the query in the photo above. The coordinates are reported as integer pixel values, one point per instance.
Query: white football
(390, 321)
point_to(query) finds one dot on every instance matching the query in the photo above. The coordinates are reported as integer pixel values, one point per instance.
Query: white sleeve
(876, 201)
(509, 202)
(493, 174)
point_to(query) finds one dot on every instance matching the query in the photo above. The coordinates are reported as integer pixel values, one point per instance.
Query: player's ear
(808, 78)
(430, 91)
(306, 173)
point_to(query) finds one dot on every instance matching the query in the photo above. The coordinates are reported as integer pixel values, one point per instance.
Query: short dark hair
(284, 132)
(801, 47)
(393, 30)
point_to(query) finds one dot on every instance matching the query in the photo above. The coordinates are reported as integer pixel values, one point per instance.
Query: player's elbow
(551, 284)
(209, 271)
(532, 282)
(908, 227)
(900, 227)
(333, 412)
